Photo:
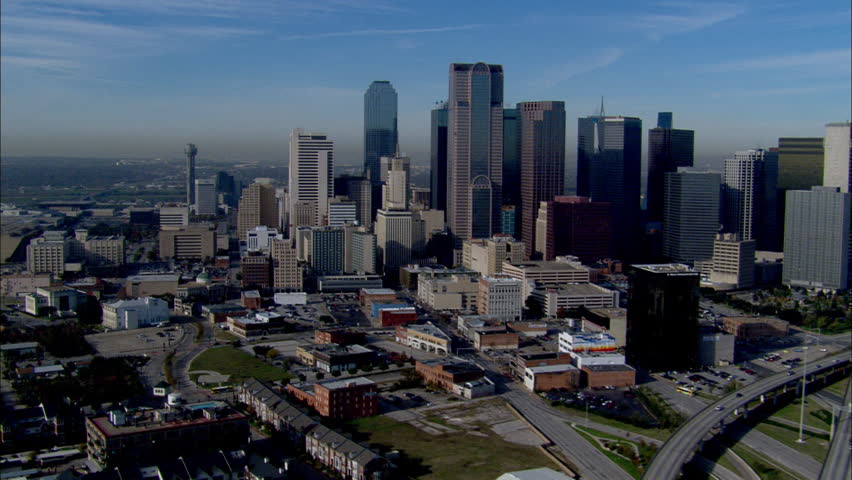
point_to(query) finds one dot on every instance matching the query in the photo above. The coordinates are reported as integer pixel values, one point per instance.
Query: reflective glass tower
(475, 150)
(511, 157)
(438, 157)
(609, 166)
(668, 149)
(380, 132)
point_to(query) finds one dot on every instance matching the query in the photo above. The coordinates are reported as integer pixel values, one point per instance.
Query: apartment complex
(345, 399)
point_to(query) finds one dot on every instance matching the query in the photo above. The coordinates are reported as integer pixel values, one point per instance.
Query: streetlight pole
(802, 411)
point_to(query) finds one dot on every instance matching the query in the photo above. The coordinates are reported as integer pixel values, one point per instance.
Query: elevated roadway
(681, 446)
(838, 463)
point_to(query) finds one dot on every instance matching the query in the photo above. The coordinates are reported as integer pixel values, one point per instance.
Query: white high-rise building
(260, 238)
(205, 196)
(342, 211)
(743, 181)
(816, 238)
(393, 239)
(311, 174)
(174, 217)
(362, 253)
(396, 176)
(500, 296)
(733, 261)
(838, 156)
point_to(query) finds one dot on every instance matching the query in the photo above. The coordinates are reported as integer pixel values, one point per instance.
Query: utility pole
(802, 411)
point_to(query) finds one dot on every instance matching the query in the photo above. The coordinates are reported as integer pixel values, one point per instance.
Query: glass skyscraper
(438, 157)
(380, 132)
(475, 150)
(511, 157)
(609, 167)
(668, 149)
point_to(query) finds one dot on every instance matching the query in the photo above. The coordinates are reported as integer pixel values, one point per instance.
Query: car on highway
(719, 408)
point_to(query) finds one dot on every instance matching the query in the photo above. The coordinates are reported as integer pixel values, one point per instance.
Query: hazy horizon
(107, 79)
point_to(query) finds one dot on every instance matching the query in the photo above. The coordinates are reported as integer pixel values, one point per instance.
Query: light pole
(802, 412)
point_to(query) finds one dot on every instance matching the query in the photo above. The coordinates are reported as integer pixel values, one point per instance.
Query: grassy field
(657, 433)
(814, 446)
(764, 468)
(238, 364)
(224, 336)
(452, 455)
(792, 412)
(622, 462)
(838, 387)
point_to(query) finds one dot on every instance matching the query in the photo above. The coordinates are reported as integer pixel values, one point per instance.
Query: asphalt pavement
(838, 463)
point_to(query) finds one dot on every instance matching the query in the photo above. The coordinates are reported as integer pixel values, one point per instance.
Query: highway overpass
(689, 438)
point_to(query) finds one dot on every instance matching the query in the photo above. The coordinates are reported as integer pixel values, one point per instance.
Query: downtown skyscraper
(609, 167)
(749, 205)
(438, 156)
(475, 150)
(380, 133)
(191, 152)
(311, 177)
(542, 139)
(668, 149)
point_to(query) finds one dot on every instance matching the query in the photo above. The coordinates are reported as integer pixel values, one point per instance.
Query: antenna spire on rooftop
(602, 106)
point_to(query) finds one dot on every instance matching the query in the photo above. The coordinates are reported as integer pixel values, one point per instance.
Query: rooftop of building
(609, 368)
(565, 367)
(159, 277)
(534, 474)
(166, 418)
(609, 312)
(575, 289)
(589, 337)
(346, 383)
(429, 329)
(501, 280)
(136, 302)
(677, 268)
(378, 291)
(452, 365)
(546, 266)
(223, 308)
(251, 294)
(595, 354)
(18, 346)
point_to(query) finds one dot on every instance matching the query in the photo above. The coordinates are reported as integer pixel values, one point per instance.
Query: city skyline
(237, 79)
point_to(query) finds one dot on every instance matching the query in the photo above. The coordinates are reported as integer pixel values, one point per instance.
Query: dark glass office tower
(380, 132)
(668, 149)
(438, 157)
(475, 150)
(542, 161)
(662, 317)
(511, 157)
(191, 151)
(609, 167)
(228, 187)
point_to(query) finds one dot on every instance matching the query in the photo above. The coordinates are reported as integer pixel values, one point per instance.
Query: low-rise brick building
(549, 377)
(446, 372)
(755, 327)
(494, 338)
(345, 399)
(609, 375)
(340, 336)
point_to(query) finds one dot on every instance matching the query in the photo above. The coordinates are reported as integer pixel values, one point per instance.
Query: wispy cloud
(684, 17)
(40, 63)
(833, 59)
(786, 91)
(380, 31)
(573, 68)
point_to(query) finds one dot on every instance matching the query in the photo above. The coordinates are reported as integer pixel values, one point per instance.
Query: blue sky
(123, 78)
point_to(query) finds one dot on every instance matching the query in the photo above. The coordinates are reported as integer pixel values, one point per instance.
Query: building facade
(690, 215)
(662, 317)
(487, 255)
(438, 156)
(311, 177)
(380, 132)
(733, 261)
(668, 149)
(609, 165)
(205, 196)
(257, 206)
(135, 313)
(393, 240)
(542, 143)
(196, 242)
(500, 297)
(838, 156)
(475, 150)
(574, 226)
(817, 238)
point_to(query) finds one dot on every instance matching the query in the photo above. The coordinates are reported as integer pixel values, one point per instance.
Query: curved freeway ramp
(680, 447)
(838, 463)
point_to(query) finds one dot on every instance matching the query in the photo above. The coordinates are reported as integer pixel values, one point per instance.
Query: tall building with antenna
(609, 166)
(191, 151)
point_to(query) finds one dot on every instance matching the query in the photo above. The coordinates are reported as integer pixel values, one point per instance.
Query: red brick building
(367, 296)
(397, 316)
(340, 336)
(604, 375)
(251, 300)
(445, 372)
(256, 271)
(344, 399)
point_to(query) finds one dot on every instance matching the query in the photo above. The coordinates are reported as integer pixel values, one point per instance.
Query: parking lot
(714, 380)
(135, 342)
